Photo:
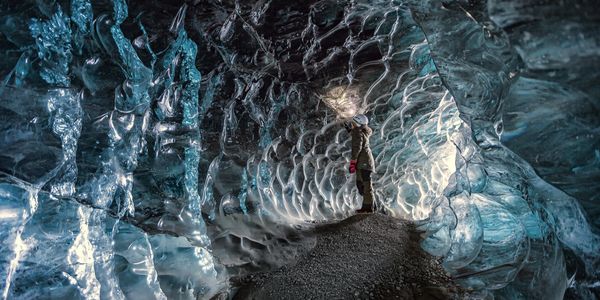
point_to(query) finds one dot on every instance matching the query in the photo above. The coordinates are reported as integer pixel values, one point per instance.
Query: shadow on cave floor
(367, 256)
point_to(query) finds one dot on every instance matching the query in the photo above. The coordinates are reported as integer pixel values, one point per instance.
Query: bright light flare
(9, 214)
(343, 101)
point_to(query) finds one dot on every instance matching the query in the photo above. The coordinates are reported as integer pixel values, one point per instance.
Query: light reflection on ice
(81, 257)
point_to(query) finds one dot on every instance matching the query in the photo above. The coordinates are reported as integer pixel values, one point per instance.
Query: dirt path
(363, 257)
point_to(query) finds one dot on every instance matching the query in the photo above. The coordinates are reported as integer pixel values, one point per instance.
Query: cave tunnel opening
(141, 138)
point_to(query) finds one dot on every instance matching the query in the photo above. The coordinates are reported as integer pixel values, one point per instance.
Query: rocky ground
(367, 256)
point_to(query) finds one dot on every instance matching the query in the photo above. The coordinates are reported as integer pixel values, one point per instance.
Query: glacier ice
(155, 150)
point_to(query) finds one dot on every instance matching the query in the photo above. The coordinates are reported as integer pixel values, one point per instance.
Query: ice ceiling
(155, 149)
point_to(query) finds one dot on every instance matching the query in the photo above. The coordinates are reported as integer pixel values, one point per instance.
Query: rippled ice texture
(155, 150)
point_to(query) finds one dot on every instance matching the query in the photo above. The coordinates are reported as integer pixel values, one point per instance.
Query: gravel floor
(367, 256)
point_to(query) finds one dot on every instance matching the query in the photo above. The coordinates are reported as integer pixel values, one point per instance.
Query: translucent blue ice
(53, 42)
(154, 151)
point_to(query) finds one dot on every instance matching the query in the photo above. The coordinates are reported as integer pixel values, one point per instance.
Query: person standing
(361, 161)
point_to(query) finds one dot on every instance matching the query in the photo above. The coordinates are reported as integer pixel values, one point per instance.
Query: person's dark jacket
(361, 150)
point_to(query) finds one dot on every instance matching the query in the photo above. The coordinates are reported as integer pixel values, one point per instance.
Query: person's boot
(367, 206)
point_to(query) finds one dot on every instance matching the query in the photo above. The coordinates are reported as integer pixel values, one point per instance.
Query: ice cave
(164, 149)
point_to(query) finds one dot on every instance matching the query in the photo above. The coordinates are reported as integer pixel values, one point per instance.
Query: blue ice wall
(156, 150)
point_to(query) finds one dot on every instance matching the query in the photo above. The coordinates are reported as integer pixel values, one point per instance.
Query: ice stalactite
(66, 113)
(53, 41)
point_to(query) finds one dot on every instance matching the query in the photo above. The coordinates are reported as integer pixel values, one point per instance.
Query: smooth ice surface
(155, 150)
